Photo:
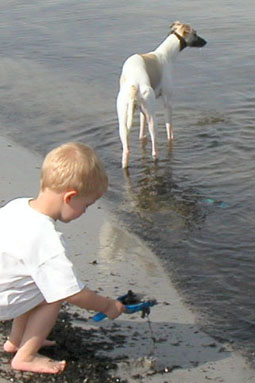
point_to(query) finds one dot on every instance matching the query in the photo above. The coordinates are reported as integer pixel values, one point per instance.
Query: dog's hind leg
(143, 122)
(122, 108)
(124, 136)
(148, 108)
(152, 129)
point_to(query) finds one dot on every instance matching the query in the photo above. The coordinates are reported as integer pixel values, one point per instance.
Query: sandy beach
(170, 347)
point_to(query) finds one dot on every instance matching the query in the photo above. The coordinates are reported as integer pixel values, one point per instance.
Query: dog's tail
(131, 105)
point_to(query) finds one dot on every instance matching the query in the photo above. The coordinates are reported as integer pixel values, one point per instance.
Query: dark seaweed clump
(130, 298)
(78, 347)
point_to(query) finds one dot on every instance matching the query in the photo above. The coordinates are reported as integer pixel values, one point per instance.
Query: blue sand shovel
(131, 308)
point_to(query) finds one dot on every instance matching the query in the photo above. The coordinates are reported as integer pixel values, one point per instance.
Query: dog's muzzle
(196, 41)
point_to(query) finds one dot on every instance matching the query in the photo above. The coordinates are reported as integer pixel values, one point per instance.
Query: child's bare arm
(89, 300)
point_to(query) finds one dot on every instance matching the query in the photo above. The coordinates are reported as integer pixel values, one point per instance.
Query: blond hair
(73, 166)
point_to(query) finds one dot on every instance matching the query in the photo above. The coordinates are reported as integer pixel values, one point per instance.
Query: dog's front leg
(168, 117)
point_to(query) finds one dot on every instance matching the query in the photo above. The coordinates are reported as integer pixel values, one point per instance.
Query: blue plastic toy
(134, 304)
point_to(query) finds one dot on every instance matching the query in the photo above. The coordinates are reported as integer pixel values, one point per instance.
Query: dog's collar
(183, 43)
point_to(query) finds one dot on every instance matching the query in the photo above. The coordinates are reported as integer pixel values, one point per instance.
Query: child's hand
(115, 308)
(90, 300)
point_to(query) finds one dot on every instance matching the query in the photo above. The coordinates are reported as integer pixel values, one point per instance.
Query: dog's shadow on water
(156, 195)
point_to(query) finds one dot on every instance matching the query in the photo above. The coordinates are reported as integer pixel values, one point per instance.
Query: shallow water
(59, 68)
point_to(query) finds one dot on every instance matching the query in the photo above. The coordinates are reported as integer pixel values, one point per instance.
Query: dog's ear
(186, 29)
(175, 25)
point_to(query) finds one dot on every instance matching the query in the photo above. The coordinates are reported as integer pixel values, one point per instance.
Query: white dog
(144, 78)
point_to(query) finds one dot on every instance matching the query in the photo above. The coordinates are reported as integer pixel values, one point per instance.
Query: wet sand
(167, 346)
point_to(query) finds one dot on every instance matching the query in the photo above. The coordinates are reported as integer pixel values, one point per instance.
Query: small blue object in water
(211, 201)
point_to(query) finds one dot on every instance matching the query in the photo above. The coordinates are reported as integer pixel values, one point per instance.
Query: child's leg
(18, 326)
(36, 327)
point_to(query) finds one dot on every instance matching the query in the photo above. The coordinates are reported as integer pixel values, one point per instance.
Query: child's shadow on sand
(167, 347)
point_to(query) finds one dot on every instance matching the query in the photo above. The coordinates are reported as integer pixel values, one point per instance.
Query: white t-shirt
(34, 264)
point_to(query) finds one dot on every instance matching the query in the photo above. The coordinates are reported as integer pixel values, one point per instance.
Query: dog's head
(188, 34)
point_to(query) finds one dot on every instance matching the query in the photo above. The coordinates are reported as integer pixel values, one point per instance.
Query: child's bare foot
(10, 347)
(39, 364)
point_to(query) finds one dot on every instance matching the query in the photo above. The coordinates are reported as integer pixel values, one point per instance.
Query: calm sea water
(59, 69)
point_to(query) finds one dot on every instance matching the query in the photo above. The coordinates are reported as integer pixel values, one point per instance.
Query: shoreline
(112, 261)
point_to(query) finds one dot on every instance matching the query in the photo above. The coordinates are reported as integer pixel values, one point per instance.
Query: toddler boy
(36, 274)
